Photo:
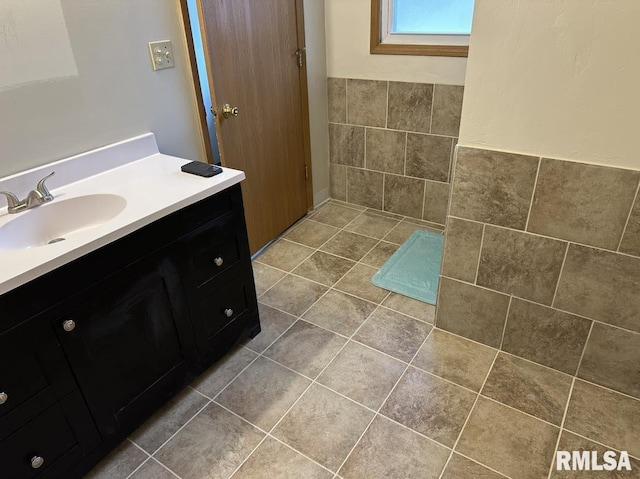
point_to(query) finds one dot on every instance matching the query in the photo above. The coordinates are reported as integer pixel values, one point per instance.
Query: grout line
(141, 465)
(430, 373)
(564, 417)
(377, 413)
(600, 443)
(555, 308)
(488, 398)
(386, 107)
(450, 172)
(607, 250)
(533, 193)
(433, 101)
(483, 465)
(506, 320)
(564, 260)
(346, 101)
(475, 280)
(177, 431)
(364, 153)
(584, 349)
(453, 137)
(384, 176)
(165, 467)
(455, 444)
(406, 145)
(507, 353)
(626, 224)
(424, 198)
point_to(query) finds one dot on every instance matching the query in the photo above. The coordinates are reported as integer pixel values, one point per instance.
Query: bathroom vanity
(90, 348)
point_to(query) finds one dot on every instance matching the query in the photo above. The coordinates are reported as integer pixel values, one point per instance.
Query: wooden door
(252, 48)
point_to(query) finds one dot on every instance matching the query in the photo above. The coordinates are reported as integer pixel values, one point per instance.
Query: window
(421, 27)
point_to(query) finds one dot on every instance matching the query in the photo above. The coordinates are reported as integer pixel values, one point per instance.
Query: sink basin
(59, 219)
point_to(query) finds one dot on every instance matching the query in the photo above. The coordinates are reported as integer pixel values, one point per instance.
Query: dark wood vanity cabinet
(92, 349)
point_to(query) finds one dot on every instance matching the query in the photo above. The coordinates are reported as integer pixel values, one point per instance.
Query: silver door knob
(228, 110)
(218, 261)
(228, 312)
(36, 462)
(69, 325)
(3, 397)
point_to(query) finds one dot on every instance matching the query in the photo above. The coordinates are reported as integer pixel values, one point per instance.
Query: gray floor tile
(429, 405)
(324, 268)
(284, 255)
(358, 282)
(212, 445)
(362, 374)
(349, 245)
(388, 450)
(311, 233)
(121, 462)
(324, 426)
(273, 324)
(339, 312)
(152, 470)
(274, 460)
(536, 390)
(393, 333)
(411, 307)
(265, 276)
(335, 215)
(214, 379)
(164, 423)
(263, 393)
(456, 359)
(460, 467)
(604, 416)
(506, 440)
(293, 295)
(306, 348)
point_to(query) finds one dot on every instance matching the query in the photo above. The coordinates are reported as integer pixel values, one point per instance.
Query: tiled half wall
(391, 145)
(542, 260)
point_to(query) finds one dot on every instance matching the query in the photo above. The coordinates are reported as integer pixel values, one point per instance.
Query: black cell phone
(201, 169)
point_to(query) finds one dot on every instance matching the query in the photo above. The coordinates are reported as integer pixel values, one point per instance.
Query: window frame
(377, 47)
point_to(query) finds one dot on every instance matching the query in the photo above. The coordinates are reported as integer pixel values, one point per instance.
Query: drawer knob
(218, 261)
(228, 312)
(36, 462)
(3, 397)
(69, 325)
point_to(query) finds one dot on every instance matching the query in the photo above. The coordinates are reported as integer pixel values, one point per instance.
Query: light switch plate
(161, 54)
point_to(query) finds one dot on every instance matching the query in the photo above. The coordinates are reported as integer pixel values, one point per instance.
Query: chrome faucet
(35, 197)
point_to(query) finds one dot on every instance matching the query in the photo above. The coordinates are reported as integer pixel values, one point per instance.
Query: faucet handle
(42, 188)
(12, 200)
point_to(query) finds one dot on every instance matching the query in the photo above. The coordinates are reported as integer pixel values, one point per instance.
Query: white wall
(348, 24)
(314, 26)
(555, 78)
(115, 93)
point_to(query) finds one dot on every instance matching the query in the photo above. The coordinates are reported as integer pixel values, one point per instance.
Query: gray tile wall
(542, 259)
(391, 145)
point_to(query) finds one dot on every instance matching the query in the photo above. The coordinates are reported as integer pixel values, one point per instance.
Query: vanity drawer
(210, 251)
(21, 378)
(222, 307)
(38, 445)
(33, 373)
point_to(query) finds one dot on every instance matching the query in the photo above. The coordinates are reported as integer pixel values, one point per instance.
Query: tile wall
(542, 260)
(391, 145)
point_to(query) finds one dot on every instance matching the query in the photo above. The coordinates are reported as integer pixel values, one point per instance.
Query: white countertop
(151, 183)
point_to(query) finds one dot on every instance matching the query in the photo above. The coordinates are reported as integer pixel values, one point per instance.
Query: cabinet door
(124, 348)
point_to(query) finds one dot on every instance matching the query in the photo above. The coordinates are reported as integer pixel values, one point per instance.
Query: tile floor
(349, 381)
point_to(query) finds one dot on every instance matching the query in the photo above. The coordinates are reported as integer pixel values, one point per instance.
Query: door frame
(202, 108)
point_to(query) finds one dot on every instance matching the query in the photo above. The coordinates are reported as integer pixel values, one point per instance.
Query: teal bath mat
(414, 268)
